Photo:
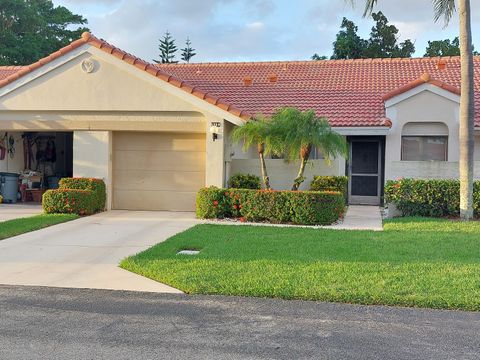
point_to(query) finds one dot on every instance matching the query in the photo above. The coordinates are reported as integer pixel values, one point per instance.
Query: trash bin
(9, 187)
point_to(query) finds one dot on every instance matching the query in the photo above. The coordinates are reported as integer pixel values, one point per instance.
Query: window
(424, 148)
(316, 154)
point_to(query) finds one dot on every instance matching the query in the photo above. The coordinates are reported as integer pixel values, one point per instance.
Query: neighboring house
(157, 133)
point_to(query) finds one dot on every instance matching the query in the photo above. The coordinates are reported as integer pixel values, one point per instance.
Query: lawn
(20, 226)
(413, 262)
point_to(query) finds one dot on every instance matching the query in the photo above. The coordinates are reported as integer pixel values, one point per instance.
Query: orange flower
(215, 202)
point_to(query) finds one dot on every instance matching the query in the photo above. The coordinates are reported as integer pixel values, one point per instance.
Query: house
(158, 133)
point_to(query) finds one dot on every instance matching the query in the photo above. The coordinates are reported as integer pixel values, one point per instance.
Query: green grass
(20, 226)
(414, 262)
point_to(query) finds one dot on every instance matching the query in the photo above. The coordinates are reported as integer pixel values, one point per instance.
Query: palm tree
(256, 132)
(445, 9)
(300, 133)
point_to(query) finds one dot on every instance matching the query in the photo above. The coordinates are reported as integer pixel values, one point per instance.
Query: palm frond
(444, 9)
(254, 132)
(369, 6)
(299, 130)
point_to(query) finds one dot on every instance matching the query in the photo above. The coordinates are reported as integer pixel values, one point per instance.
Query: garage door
(157, 171)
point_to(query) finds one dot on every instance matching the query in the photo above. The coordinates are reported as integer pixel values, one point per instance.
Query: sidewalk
(361, 217)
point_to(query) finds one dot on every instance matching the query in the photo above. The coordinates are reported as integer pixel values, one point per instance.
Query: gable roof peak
(90, 39)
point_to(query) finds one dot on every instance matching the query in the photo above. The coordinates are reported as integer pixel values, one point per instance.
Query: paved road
(51, 323)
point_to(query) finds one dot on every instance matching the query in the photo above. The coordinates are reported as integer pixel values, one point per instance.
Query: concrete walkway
(15, 211)
(85, 253)
(361, 217)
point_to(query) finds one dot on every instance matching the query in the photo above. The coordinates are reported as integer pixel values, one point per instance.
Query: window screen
(424, 148)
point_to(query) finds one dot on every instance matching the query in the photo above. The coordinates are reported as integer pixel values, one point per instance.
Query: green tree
(445, 9)
(258, 133)
(33, 29)
(348, 45)
(383, 42)
(188, 52)
(167, 49)
(445, 48)
(318, 57)
(300, 132)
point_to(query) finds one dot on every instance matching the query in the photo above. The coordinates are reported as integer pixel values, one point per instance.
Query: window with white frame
(424, 141)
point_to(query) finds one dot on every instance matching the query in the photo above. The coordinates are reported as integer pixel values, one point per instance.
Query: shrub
(266, 205)
(435, 198)
(309, 207)
(68, 201)
(297, 207)
(244, 181)
(82, 196)
(97, 186)
(330, 183)
(212, 203)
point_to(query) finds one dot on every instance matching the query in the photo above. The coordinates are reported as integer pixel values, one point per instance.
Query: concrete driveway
(15, 211)
(85, 253)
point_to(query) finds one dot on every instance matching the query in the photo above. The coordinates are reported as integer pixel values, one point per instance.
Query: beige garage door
(157, 171)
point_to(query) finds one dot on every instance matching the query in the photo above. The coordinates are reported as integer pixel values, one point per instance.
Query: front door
(365, 171)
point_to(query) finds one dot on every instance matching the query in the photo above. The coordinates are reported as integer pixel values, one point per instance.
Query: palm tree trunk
(263, 166)
(467, 112)
(304, 156)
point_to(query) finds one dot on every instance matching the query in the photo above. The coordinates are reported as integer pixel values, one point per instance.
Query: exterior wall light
(215, 130)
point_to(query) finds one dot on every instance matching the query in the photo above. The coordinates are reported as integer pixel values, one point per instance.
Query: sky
(254, 30)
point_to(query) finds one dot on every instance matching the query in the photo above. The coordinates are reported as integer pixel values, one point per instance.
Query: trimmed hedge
(97, 186)
(68, 201)
(330, 183)
(245, 181)
(82, 196)
(434, 198)
(296, 207)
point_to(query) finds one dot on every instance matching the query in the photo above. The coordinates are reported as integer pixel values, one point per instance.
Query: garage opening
(32, 162)
(157, 171)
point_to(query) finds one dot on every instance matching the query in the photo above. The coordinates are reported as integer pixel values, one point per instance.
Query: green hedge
(330, 183)
(68, 201)
(97, 186)
(435, 198)
(296, 207)
(245, 181)
(82, 196)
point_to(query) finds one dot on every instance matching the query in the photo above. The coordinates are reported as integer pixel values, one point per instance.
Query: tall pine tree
(167, 49)
(188, 52)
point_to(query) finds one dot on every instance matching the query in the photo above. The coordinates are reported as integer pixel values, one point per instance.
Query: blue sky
(253, 30)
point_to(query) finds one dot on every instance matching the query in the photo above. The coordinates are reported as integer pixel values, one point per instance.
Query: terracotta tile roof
(347, 92)
(88, 38)
(424, 79)
(6, 71)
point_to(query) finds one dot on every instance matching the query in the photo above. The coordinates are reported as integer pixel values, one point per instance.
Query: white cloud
(257, 25)
(240, 30)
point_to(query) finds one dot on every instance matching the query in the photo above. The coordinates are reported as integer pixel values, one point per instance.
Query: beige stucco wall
(423, 107)
(92, 154)
(282, 173)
